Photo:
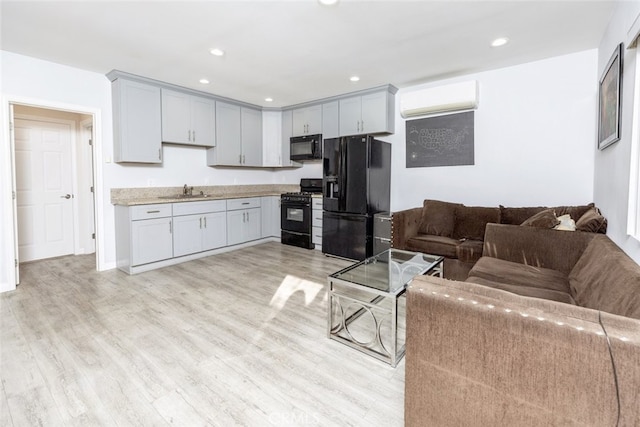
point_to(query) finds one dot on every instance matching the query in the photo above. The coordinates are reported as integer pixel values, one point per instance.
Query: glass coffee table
(366, 307)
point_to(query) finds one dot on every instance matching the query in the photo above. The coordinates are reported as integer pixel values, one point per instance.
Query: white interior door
(44, 183)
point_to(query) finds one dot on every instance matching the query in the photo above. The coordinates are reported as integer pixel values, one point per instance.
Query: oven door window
(295, 214)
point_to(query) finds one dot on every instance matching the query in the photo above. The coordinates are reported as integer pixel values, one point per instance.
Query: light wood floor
(233, 339)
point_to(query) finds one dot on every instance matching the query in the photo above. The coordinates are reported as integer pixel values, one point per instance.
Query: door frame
(8, 245)
(74, 128)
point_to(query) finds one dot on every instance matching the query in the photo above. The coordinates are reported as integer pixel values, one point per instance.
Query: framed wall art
(609, 99)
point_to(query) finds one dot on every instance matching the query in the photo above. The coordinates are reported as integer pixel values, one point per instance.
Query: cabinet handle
(194, 136)
(200, 222)
(240, 158)
(362, 125)
(159, 153)
(247, 216)
(205, 222)
(170, 227)
(243, 160)
(189, 137)
(246, 203)
(153, 211)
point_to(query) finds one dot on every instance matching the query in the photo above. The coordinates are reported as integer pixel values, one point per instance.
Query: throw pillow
(438, 218)
(566, 223)
(592, 221)
(543, 219)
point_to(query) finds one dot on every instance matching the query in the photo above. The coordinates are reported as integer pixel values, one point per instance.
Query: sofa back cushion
(518, 215)
(438, 218)
(605, 278)
(592, 221)
(472, 220)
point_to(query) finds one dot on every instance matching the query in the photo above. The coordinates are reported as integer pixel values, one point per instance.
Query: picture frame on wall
(609, 100)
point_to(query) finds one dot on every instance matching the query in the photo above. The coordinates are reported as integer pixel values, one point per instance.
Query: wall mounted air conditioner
(440, 99)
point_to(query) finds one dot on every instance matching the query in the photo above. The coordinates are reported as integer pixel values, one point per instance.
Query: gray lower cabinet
(199, 226)
(270, 211)
(144, 234)
(244, 220)
(316, 222)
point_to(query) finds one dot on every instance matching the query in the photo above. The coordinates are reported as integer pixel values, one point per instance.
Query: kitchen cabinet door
(137, 122)
(307, 120)
(374, 113)
(243, 225)
(235, 227)
(330, 120)
(188, 119)
(350, 115)
(203, 121)
(151, 240)
(176, 117)
(214, 231)
(251, 124)
(187, 235)
(228, 149)
(253, 227)
(270, 212)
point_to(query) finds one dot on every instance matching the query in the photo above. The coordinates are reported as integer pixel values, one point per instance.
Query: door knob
(68, 196)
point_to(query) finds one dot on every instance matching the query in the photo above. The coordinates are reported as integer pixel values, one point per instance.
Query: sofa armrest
(405, 225)
(540, 247)
(624, 336)
(481, 356)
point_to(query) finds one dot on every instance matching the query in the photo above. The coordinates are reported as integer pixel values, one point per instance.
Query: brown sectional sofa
(545, 331)
(456, 231)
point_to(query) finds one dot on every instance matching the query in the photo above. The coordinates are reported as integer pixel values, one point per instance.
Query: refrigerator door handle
(342, 178)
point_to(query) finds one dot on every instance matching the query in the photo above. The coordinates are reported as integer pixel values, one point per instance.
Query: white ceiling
(298, 51)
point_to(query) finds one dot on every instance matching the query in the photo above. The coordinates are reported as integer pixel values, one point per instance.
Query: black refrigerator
(356, 185)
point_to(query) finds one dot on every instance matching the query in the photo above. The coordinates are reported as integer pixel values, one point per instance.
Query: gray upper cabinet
(251, 124)
(188, 119)
(137, 122)
(238, 137)
(307, 120)
(330, 120)
(371, 113)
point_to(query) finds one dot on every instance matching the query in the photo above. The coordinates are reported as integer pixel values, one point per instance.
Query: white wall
(32, 81)
(612, 165)
(534, 138)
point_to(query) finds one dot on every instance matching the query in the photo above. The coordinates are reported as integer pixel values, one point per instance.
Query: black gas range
(295, 214)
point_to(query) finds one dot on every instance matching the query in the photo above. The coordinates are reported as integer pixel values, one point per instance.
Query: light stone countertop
(153, 195)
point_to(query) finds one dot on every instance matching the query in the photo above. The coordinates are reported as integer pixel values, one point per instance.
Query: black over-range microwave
(308, 147)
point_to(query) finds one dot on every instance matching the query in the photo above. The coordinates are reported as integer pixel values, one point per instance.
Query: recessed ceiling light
(204, 81)
(501, 41)
(354, 78)
(269, 99)
(328, 2)
(217, 52)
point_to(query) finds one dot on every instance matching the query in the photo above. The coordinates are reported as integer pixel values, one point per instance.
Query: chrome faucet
(187, 191)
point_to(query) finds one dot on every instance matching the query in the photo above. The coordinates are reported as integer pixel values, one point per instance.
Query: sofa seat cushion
(469, 250)
(500, 271)
(434, 245)
(525, 291)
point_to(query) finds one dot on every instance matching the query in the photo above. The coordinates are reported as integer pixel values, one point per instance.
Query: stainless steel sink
(185, 196)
